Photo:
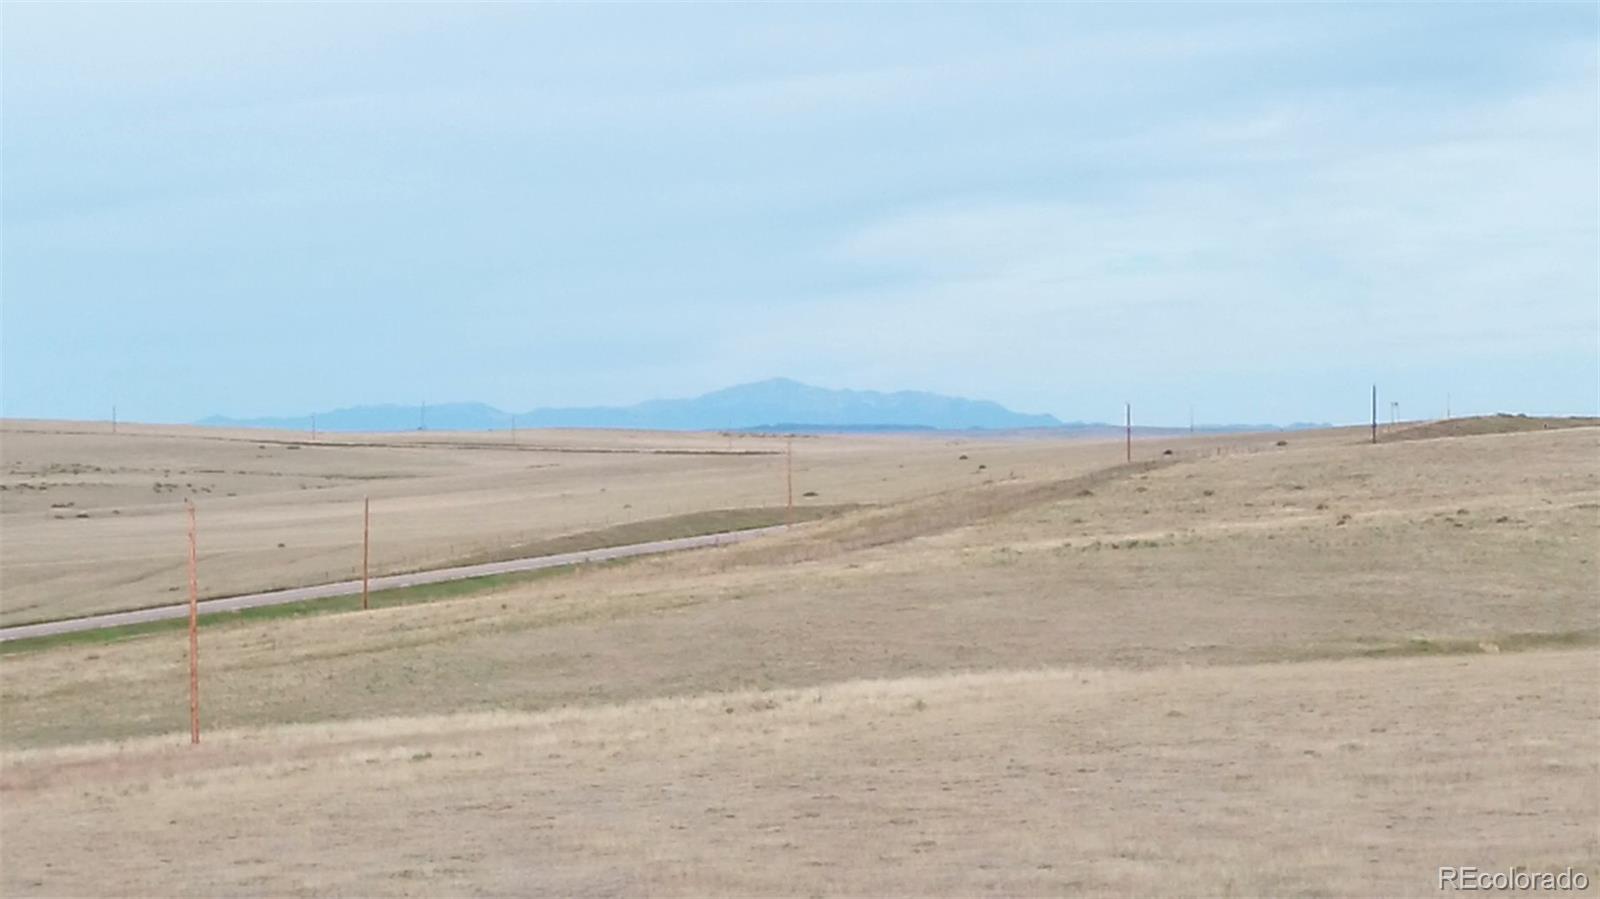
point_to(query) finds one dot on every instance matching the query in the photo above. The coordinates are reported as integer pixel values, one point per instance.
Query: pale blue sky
(1255, 210)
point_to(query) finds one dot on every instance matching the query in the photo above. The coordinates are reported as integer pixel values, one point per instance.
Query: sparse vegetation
(894, 683)
(491, 500)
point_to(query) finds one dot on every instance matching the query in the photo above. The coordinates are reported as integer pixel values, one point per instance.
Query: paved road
(389, 582)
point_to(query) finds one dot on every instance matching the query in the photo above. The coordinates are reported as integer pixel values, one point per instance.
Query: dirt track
(346, 588)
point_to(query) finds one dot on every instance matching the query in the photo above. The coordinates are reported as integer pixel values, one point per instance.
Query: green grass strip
(379, 599)
(692, 524)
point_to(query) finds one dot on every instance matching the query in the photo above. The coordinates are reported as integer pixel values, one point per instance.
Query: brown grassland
(1241, 668)
(94, 522)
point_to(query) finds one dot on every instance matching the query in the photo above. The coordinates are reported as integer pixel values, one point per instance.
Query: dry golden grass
(1199, 674)
(1330, 778)
(93, 522)
(1146, 571)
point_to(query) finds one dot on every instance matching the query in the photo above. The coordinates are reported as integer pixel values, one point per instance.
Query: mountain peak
(767, 385)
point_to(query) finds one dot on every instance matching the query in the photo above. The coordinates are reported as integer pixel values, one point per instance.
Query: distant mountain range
(779, 404)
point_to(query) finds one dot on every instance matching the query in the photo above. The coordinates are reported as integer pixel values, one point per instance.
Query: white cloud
(1004, 201)
(1474, 233)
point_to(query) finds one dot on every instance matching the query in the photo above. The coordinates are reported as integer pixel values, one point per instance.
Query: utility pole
(1191, 421)
(513, 430)
(1394, 413)
(113, 418)
(1447, 407)
(1127, 409)
(366, 545)
(1374, 413)
(788, 517)
(194, 631)
(313, 427)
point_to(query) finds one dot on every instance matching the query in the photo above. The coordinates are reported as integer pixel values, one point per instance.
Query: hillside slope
(1037, 783)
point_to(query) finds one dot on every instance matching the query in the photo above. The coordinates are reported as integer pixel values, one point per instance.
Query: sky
(1253, 211)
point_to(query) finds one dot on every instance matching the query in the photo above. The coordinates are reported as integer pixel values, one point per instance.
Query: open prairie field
(1320, 668)
(94, 522)
(1327, 778)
